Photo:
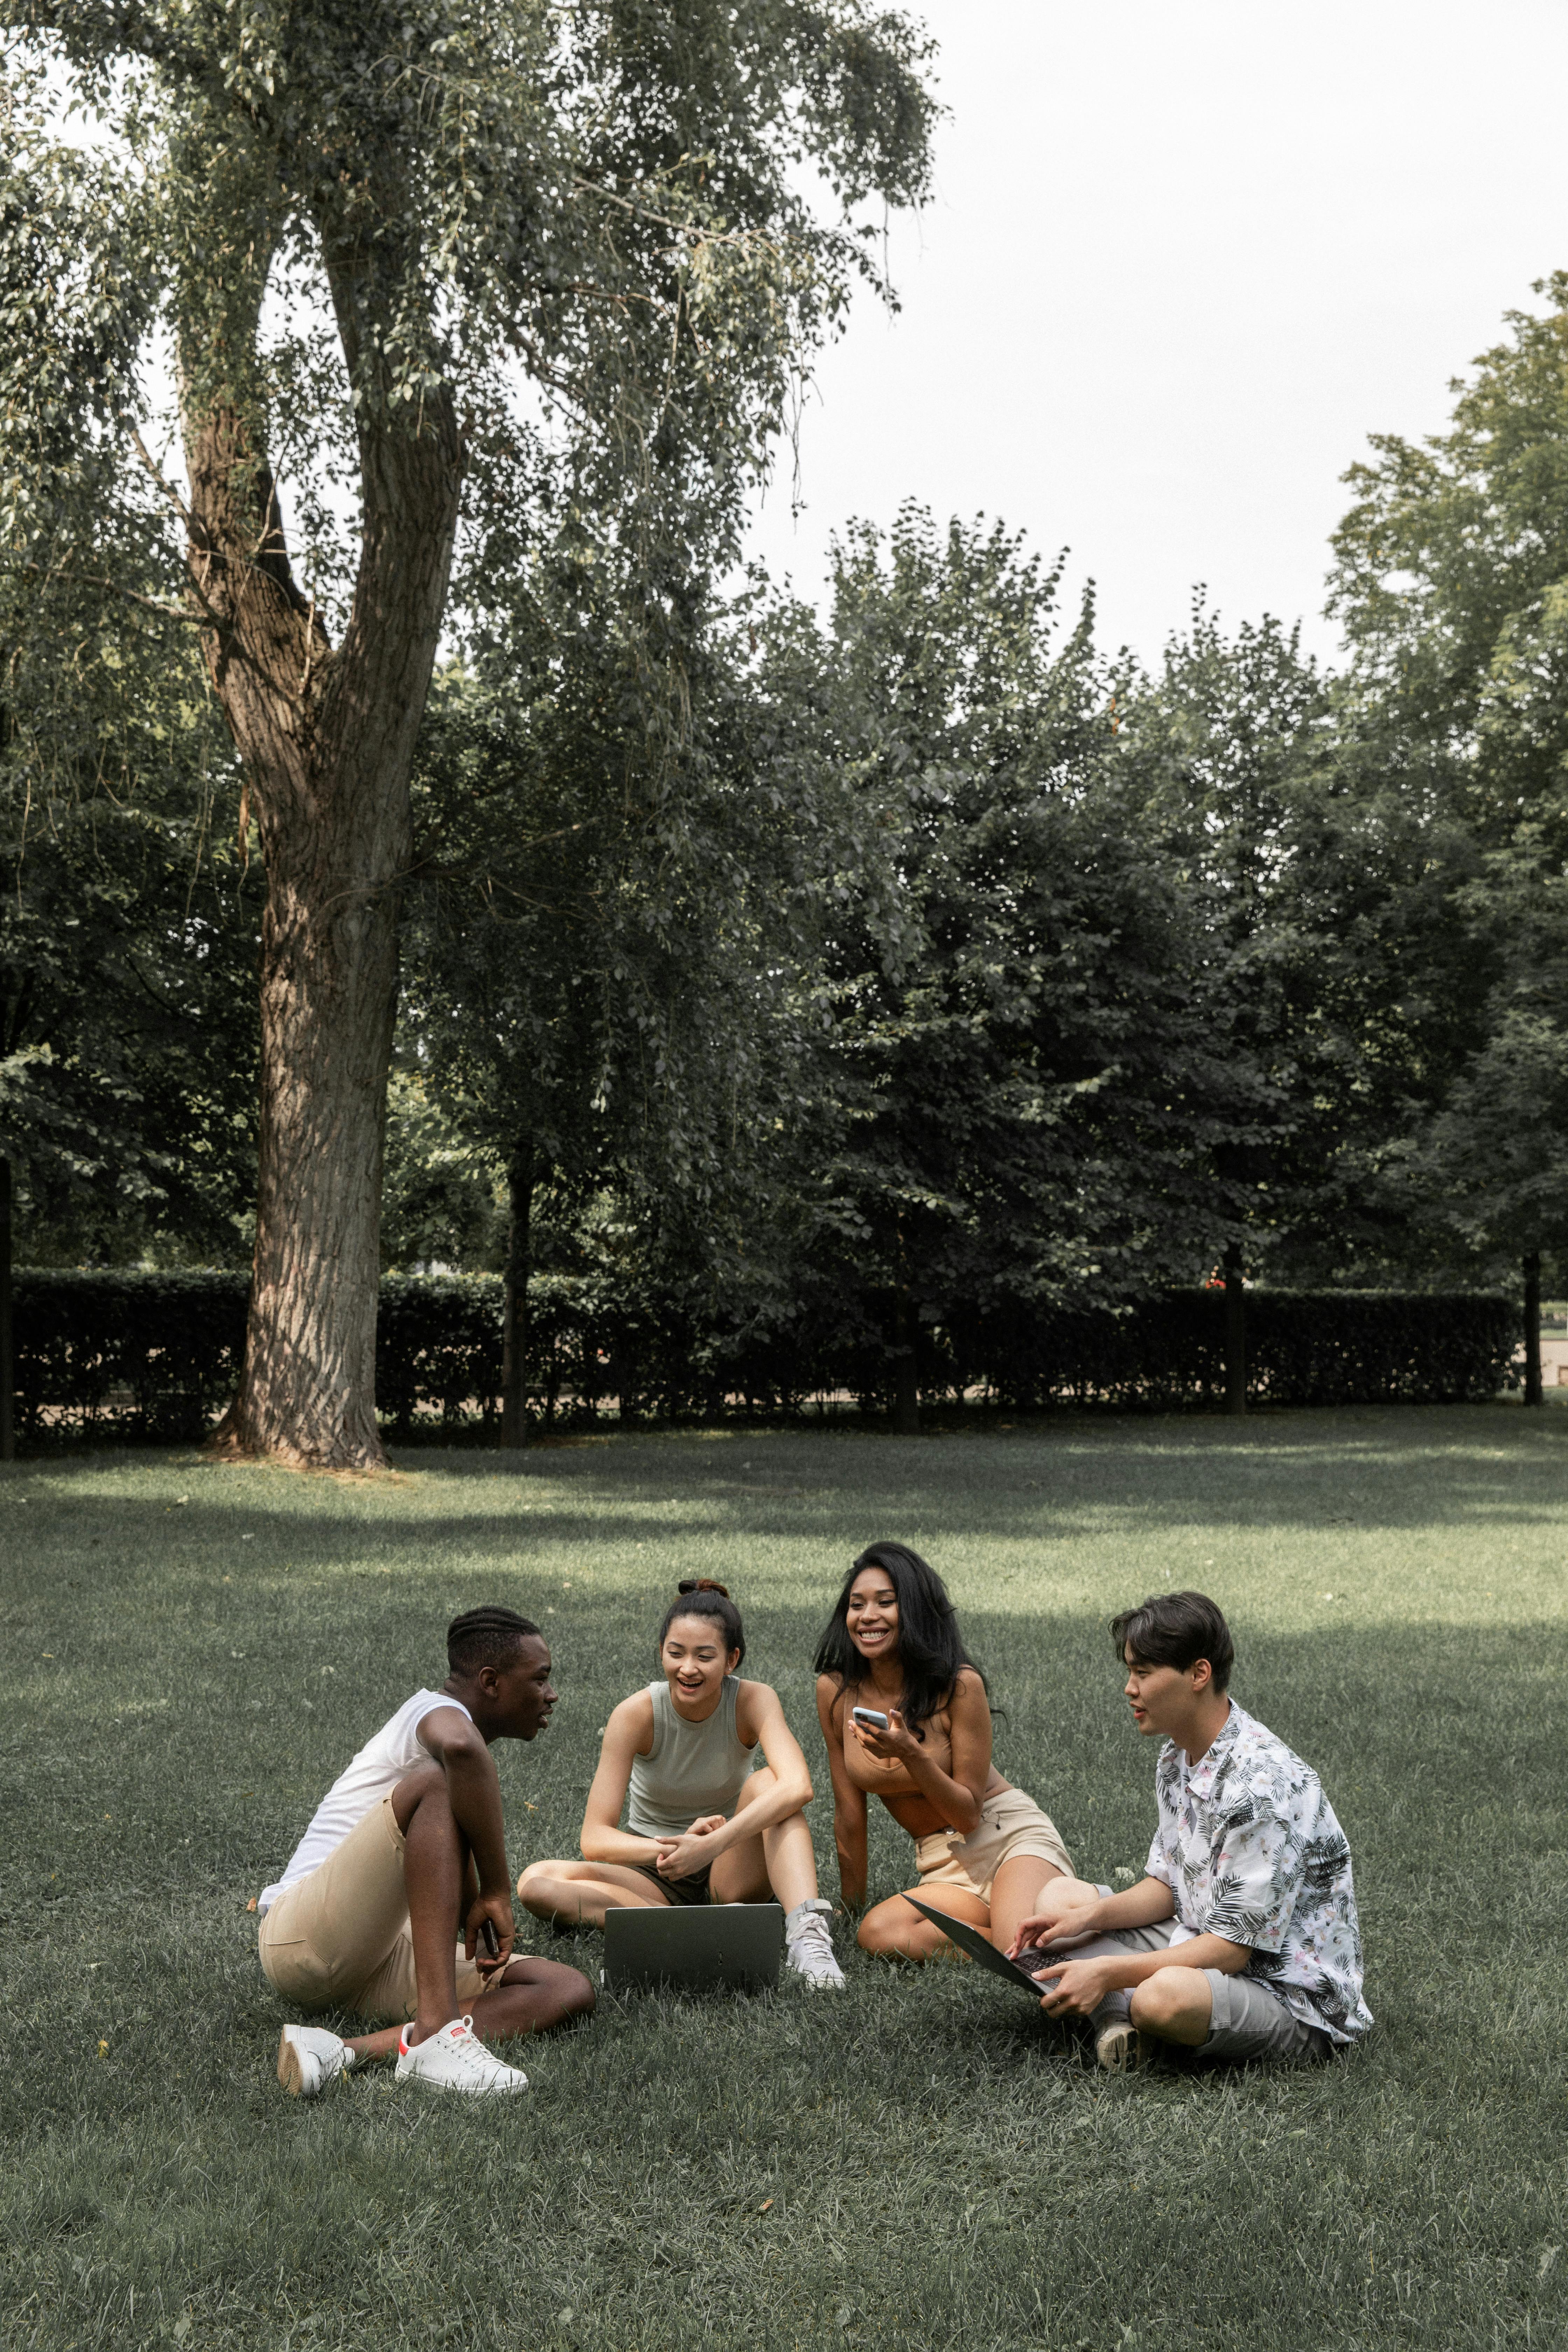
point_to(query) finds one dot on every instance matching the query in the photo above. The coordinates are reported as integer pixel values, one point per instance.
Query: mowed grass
(192, 1652)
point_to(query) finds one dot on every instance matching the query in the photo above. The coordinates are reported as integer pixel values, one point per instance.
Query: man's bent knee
(1170, 1999)
(562, 1994)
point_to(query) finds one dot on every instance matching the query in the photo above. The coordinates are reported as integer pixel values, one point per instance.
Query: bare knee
(557, 1995)
(887, 1938)
(568, 1995)
(1168, 2000)
(539, 1889)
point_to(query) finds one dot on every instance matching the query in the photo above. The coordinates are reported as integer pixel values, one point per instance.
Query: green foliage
(1450, 583)
(154, 1356)
(138, 1355)
(129, 926)
(1026, 1072)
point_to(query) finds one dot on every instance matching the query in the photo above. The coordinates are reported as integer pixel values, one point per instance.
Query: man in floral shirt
(1242, 1940)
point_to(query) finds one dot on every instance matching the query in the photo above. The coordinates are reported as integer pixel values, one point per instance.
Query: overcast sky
(1183, 256)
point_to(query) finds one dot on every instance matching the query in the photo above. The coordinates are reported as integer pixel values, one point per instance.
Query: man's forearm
(1200, 1952)
(474, 1793)
(1143, 1905)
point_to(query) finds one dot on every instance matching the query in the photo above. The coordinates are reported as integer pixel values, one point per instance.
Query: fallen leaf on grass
(768, 2200)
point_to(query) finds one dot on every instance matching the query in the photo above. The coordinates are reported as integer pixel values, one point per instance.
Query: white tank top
(375, 1772)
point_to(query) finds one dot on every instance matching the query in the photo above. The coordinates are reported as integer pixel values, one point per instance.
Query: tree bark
(1235, 1332)
(8, 1325)
(1532, 1390)
(327, 740)
(514, 1343)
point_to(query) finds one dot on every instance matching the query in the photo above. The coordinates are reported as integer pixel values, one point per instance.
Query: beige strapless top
(891, 1779)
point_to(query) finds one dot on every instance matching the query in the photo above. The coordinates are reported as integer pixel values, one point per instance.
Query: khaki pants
(340, 1938)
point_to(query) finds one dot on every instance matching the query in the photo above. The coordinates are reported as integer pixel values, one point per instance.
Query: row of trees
(913, 962)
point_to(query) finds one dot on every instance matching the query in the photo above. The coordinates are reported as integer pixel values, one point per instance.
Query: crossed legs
(778, 1860)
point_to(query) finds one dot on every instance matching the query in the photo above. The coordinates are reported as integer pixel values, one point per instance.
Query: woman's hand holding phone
(896, 1744)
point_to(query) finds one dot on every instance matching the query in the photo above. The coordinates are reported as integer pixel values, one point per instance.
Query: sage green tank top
(692, 1768)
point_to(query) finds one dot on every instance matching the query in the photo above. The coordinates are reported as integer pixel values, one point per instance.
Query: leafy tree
(601, 945)
(1322, 864)
(1027, 1077)
(1452, 581)
(128, 920)
(443, 271)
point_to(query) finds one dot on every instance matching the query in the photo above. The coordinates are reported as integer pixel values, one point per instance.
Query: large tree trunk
(1235, 1332)
(327, 740)
(514, 1343)
(1532, 1391)
(7, 1328)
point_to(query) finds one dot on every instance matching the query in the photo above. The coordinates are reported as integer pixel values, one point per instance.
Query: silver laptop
(693, 1946)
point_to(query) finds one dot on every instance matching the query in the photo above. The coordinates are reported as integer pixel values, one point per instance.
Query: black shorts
(675, 1890)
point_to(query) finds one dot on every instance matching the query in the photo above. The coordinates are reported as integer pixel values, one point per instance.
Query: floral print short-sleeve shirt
(1249, 1845)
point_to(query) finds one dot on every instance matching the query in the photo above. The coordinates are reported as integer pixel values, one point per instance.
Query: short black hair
(1176, 1629)
(486, 1637)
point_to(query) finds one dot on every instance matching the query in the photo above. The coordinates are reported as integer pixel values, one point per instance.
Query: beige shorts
(1010, 1823)
(340, 1938)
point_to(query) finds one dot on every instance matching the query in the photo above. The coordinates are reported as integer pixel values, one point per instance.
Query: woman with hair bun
(702, 1825)
(983, 1850)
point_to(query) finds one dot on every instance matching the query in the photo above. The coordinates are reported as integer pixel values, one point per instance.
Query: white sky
(1183, 256)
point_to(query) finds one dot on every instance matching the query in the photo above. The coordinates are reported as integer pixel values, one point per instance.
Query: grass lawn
(192, 1652)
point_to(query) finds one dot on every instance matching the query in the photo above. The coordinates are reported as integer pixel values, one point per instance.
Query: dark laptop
(979, 1948)
(694, 1947)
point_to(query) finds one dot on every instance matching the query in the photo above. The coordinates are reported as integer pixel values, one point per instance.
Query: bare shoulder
(755, 1704)
(830, 1695)
(633, 1721)
(968, 1692)
(442, 1730)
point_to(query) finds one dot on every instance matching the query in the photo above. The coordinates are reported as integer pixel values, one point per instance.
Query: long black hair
(931, 1648)
(701, 1597)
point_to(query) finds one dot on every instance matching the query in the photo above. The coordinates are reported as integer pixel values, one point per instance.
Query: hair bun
(702, 1584)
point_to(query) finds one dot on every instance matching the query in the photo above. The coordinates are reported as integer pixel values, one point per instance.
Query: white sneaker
(808, 1946)
(310, 2060)
(457, 2060)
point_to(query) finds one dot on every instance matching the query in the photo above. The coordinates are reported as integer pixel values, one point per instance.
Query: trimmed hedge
(155, 1357)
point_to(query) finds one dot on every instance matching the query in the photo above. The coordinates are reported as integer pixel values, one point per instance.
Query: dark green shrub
(156, 1356)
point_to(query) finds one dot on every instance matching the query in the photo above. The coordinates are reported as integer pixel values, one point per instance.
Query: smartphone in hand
(488, 1941)
(873, 1716)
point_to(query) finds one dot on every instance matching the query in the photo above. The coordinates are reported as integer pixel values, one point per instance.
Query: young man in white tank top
(405, 1853)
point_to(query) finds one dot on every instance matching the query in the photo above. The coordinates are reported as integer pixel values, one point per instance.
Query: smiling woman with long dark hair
(983, 1850)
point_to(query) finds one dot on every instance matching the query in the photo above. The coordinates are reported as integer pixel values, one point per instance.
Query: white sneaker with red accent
(310, 2060)
(457, 2060)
